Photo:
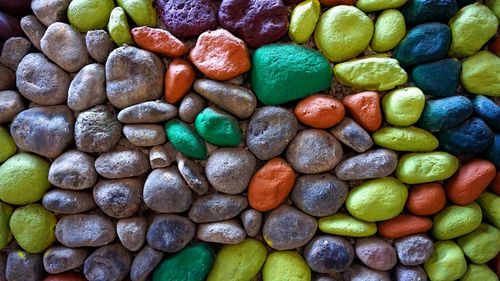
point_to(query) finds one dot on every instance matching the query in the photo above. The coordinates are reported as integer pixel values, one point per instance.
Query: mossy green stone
(7, 145)
(480, 74)
(414, 168)
(377, 200)
(5, 233)
(286, 266)
(190, 264)
(23, 179)
(87, 15)
(240, 262)
(455, 221)
(303, 21)
(482, 244)
(406, 139)
(371, 73)
(377, 5)
(490, 204)
(480, 272)
(403, 107)
(446, 263)
(33, 228)
(346, 225)
(140, 11)
(390, 29)
(277, 75)
(118, 27)
(185, 140)
(218, 127)
(494, 6)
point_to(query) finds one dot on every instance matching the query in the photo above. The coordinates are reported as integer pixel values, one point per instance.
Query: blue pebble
(422, 11)
(471, 137)
(442, 114)
(493, 152)
(439, 78)
(488, 110)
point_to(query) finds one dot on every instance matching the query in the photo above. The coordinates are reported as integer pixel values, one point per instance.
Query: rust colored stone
(365, 109)
(158, 41)
(320, 111)
(426, 199)
(404, 225)
(178, 80)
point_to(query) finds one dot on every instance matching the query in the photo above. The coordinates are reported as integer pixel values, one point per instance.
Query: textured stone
(88, 88)
(216, 207)
(170, 233)
(99, 45)
(375, 163)
(34, 29)
(478, 74)
(132, 232)
(68, 202)
(353, 135)
(118, 198)
(329, 254)
(222, 232)
(144, 263)
(60, 259)
(147, 112)
(11, 104)
(73, 170)
(85, 231)
(14, 49)
(111, 263)
(165, 191)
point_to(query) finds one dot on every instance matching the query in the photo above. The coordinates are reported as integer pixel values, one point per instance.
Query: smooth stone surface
(185, 140)
(99, 45)
(421, 11)
(478, 74)
(68, 202)
(303, 21)
(389, 30)
(346, 225)
(488, 110)
(122, 164)
(73, 170)
(145, 134)
(60, 259)
(190, 106)
(416, 168)
(51, 11)
(97, 130)
(446, 263)
(85, 231)
(376, 253)
(329, 254)
(165, 191)
(11, 104)
(23, 266)
(144, 263)
(170, 233)
(479, 272)
(353, 135)
(147, 112)
(403, 107)
(444, 113)
(111, 262)
(33, 29)
(33, 228)
(221, 232)
(132, 232)
(472, 136)
(438, 78)
(119, 198)
(455, 221)
(375, 163)
(216, 207)
(406, 139)
(482, 244)
(88, 88)
(218, 128)
(252, 222)
(414, 249)
(286, 265)
(192, 172)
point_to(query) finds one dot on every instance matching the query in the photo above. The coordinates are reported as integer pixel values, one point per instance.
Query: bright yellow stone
(118, 27)
(403, 107)
(286, 266)
(480, 74)
(406, 139)
(346, 225)
(390, 28)
(377, 5)
(303, 21)
(140, 11)
(446, 263)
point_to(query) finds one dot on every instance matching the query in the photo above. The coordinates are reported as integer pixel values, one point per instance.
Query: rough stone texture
(252, 222)
(85, 231)
(50, 11)
(7, 78)
(144, 263)
(132, 232)
(165, 191)
(329, 254)
(59, 259)
(170, 233)
(217, 207)
(376, 163)
(190, 106)
(409, 273)
(110, 263)
(99, 45)
(22, 266)
(185, 18)
(159, 157)
(192, 173)
(14, 50)
(34, 29)
(118, 198)
(414, 249)
(11, 104)
(358, 272)
(147, 112)
(62, 201)
(73, 170)
(145, 135)
(223, 232)
(88, 88)
(353, 135)
(376, 253)
(122, 164)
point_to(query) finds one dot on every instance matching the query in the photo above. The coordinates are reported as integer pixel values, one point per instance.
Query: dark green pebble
(422, 11)
(488, 110)
(493, 152)
(439, 78)
(441, 114)
(471, 137)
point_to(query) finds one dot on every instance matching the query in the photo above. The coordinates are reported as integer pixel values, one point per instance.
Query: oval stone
(185, 140)
(376, 5)
(118, 198)
(376, 253)
(403, 107)
(170, 233)
(165, 191)
(346, 225)
(488, 110)
(329, 254)
(85, 231)
(454, 221)
(122, 164)
(144, 263)
(217, 127)
(471, 137)
(416, 168)
(482, 244)
(437, 78)
(375, 163)
(59, 259)
(221, 232)
(88, 88)
(479, 74)
(110, 262)
(489, 202)
(303, 21)
(147, 112)
(33, 228)
(216, 207)
(406, 139)
(68, 202)
(73, 170)
(441, 114)
(390, 29)
(447, 262)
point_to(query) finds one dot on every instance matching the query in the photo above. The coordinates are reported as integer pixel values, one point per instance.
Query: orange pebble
(270, 185)
(404, 225)
(320, 111)
(495, 46)
(336, 2)
(69, 276)
(178, 80)
(470, 181)
(365, 108)
(426, 199)
(495, 184)
(159, 41)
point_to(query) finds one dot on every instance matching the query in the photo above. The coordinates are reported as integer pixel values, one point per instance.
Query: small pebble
(33, 228)
(416, 168)
(478, 76)
(471, 179)
(365, 108)
(73, 170)
(319, 111)
(222, 232)
(406, 139)
(118, 198)
(165, 191)
(185, 140)
(286, 265)
(22, 266)
(33, 29)
(375, 163)
(252, 222)
(390, 29)
(85, 231)
(414, 249)
(62, 201)
(359, 272)
(454, 221)
(59, 259)
(193, 174)
(376, 253)
(186, 18)
(132, 232)
(447, 262)
(346, 225)
(145, 134)
(403, 107)
(170, 233)
(179, 79)
(329, 254)
(8, 78)
(409, 273)
(218, 127)
(97, 130)
(351, 134)
(122, 164)
(144, 263)
(159, 157)
(50, 11)
(438, 78)
(482, 244)
(111, 263)
(158, 41)
(191, 105)
(88, 88)
(217, 207)
(11, 103)
(99, 45)
(14, 49)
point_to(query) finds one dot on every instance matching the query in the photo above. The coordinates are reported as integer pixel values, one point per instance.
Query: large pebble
(375, 163)
(14, 49)
(159, 41)
(353, 135)
(73, 170)
(59, 259)
(303, 21)
(165, 191)
(377, 5)
(359, 272)
(89, 15)
(329, 254)
(118, 198)
(346, 225)
(286, 265)
(192, 104)
(132, 232)
(97, 130)
(145, 134)
(470, 181)
(222, 232)
(414, 249)
(482, 244)
(11, 103)
(489, 204)
(122, 164)
(376, 253)
(22, 266)
(192, 172)
(470, 137)
(441, 114)
(403, 107)
(51, 11)
(170, 233)
(147, 112)
(446, 263)
(144, 263)
(252, 222)
(404, 225)
(111, 263)
(33, 29)
(438, 78)
(390, 29)
(85, 231)
(218, 128)
(185, 140)
(406, 139)
(409, 273)
(416, 168)
(88, 88)
(99, 45)
(478, 74)
(421, 11)
(33, 228)
(68, 201)
(487, 109)
(216, 207)
(454, 221)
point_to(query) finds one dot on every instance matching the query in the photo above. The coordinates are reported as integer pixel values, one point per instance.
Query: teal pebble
(488, 110)
(218, 127)
(421, 11)
(471, 137)
(441, 114)
(493, 152)
(185, 140)
(439, 78)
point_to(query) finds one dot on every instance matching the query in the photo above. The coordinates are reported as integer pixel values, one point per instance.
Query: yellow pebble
(303, 20)
(390, 28)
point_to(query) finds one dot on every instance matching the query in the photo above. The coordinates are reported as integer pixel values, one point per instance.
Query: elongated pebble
(416, 168)
(410, 138)
(346, 225)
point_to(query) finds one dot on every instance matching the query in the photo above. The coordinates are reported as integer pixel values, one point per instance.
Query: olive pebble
(414, 249)
(376, 253)
(329, 254)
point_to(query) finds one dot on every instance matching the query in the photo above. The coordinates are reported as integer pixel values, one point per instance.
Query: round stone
(471, 137)
(88, 88)
(416, 168)
(99, 45)
(85, 231)
(132, 232)
(170, 233)
(187, 18)
(389, 29)
(438, 78)
(252, 222)
(50, 11)
(165, 191)
(33, 228)
(191, 105)
(329, 254)
(73, 170)
(403, 107)
(110, 262)
(145, 135)
(376, 253)
(216, 207)
(118, 198)
(320, 111)
(421, 11)
(359, 272)
(353, 135)
(478, 74)
(218, 127)
(441, 114)
(414, 249)
(11, 103)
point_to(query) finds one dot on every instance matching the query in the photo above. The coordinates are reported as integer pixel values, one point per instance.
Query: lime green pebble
(23, 179)
(403, 107)
(7, 145)
(118, 27)
(5, 234)
(446, 263)
(377, 200)
(490, 204)
(140, 11)
(477, 272)
(286, 266)
(406, 139)
(303, 20)
(482, 244)
(87, 15)
(390, 28)
(372, 73)
(240, 262)
(416, 168)
(33, 228)
(346, 225)
(218, 127)
(455, 221)
(343, 32)
(185, 140)
(494, 6)
(377, 5)
(480, 74)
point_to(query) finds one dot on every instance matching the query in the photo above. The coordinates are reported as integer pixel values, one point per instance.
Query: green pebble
(7, 145)
(118, 27)
(140, 11)
(190, 264)
(23, 179)
(480, 74)
(471, 27)
(446, 263)
(5, 233)
(390, 29)
(403, 107)
(372, 73)
(87, 15)
(490, 204)
(494, 6)
(406, 139)
(185, 140)
(303, 21)
(416, 168)
(482, 244)
(240, 262)
(454, 221)
(343, 32)
(217, 127)
(286, 266)
(377, 5)
(377, 200)
(477, 272)
(33, 228)
(346, 225)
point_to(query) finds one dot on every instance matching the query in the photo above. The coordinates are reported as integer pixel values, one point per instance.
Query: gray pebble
(59, 259)
(270, 130)
(11, 104)
(288, 228)
(99, 44)
(358, 272)
(132, 232)
(191, 105)
(314, 151)
(7, 78)
(252, 222)
(229, 170)
(145, 134)
(122, 164)
(170, 233)
(353, 135)
(23, 266)
(409, 273)
(88, 88)
(165, 191)
(192, 173)
(42, 81)
(50, 11)
(159, 157)
(414, 249)
(97, 130)
(319, 195)
(144, 263)
(329, 254)
(109, 263)
(62, 201)
(85, 231)
(376, 253)
(375, 163)
(222, 232)
(147, 112)
(73, 170)
(118, 198)
(237, 100)
(14, 50)
(217, 207)
(45, 130)
(34, 29)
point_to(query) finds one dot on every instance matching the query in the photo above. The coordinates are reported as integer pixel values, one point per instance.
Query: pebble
(409, 273)
(390, 29)
(454, 221)
(252, 222)
(97, 130)
(218, 127)
(69, 276)
(41, 81)
(482, 244)
(269, 131)
(353, 135)
(141, 12)
(179, 79)
(477, 75)
(111, 263)
(190, 106)
(14, 49)
(99, 45)
(89, 15)
(406, 139)
(371, 73)
(33, 29)
(33, 228)
(377, 5)
(470, 181)
(277, 74)
(403, 107)
(22, 266)
(414, 168)
(23, 179)
(62, 201)
(270, 185)
(303, 21)
(158, 41)
(319, 195)
(334, 37)
(426, 199)
(217, 207)
(287, 228)
(376, 253)
(6, 234)
(118, 27)
(8, 145)
(319, 111)
(133, 76)
(329, 254)
(118, 198)
(470, 137)
(365, 108)
(165, 191)
(438, 78)
(73, 170)
(132, 232)
(286, 265)
(122, 164)
(422, 11)
(414, 249)
(257, 22)
(8, 78)
(359, 272)
(85, 231)
(493, 152)
(229, 170)
(479, 272)
(487, 109)
(170, 233)
(144, 263)
(444, 113)
(346, 225)
(185, 140)
(404, 225)
(222, 232)
(489, 204)
(147, 112)
(49, 12)
(59, 259)
(145, 134)
(88, 88)
(11, 104)
(375, 163)
(447, 262)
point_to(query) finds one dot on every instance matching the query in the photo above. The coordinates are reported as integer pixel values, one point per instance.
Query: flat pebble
(111, 262)
(88, 88)
(73, 170)
(165, 191)
(477, 75)
(144, 263)
(179, 79)
(329, 254)
(159, 41)
(454, 221)
(471, 137)
(319, 111)
(390, 29)
(118, 198)
(409, 273)
(365, 108)
(170, 233)
(191, 105)
(33, 228)
(51, 11)
(132, 232)
(251, 221)
(286, 265)
(85, 231)
(353, 135)
(482, 244)
(359, 272)
(403, 107)
(404, 225)
(346, 225)
(145, 134)
(11, 103)
(22, 266)
(421, 11)
(375, 163)
(218, 127)
(471, 179)
(62, 201)
(444, 113)
(99, 45)
(447, 262)
(416, 168)
(216, 207)
(187, 18)
(14, 49)
(487, 109)
(122, 164)
(438, 78)
(376, 253)
(34, 29)
(185, 140)
(59, 259)
(414, 249)
(97, 130)
(222, 232)
(406, 139)
(303, 21)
